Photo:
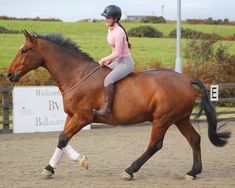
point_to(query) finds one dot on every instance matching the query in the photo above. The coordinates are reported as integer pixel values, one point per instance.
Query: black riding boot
(109, 96)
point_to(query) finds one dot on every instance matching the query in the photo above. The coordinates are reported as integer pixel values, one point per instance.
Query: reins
(66, 91)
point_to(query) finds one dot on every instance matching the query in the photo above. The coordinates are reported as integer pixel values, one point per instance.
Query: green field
(91, 37)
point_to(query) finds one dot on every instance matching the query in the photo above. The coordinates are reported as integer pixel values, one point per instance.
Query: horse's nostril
(10, 75)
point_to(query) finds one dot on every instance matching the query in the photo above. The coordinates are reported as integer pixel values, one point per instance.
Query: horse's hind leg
(194, 140)
(155, 144)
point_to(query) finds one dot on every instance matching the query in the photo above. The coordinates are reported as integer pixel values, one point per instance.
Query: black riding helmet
(112, 11)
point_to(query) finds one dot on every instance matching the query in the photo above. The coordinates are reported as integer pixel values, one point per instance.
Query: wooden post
(5, 106)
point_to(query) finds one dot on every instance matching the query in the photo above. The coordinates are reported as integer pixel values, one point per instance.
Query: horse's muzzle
(12, 77)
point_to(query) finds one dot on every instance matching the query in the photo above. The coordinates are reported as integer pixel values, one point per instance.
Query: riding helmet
(112, 11)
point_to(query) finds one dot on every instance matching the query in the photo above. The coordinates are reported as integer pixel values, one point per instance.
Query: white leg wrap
(56, 157)
(71, 153)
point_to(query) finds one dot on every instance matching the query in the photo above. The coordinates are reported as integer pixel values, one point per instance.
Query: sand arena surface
(110, 151)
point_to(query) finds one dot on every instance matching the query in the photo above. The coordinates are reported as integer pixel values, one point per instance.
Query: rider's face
(109, 21)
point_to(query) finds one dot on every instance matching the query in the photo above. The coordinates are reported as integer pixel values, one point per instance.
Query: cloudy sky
(73, 10)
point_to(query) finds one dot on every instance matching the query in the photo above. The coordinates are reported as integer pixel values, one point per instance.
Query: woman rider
(120, 60)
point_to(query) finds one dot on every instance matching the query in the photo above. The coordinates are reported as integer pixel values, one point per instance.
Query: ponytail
(127, 39)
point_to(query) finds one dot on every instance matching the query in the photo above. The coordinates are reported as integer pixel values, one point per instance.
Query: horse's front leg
(72, 126)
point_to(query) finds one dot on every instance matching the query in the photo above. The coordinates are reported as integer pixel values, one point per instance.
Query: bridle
(66, 91)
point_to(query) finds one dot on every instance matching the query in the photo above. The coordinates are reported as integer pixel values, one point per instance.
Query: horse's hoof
(126, 176)
(46, 174)
(83, 162)
(176, 174)
(188, 177)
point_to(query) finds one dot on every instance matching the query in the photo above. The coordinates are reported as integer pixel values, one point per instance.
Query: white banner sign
(38, 109)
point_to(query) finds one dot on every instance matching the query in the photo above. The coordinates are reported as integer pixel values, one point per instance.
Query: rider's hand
(101, 62)
(108, 62)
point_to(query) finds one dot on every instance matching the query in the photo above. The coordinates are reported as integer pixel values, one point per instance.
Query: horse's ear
(23, 31)
(26, 34)
(29, 37)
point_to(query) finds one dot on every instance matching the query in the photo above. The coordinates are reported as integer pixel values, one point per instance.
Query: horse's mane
(67, 43)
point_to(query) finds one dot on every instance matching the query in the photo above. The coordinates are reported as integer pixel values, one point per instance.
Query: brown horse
(160, 96)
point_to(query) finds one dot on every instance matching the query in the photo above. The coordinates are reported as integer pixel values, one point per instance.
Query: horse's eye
(25, 50)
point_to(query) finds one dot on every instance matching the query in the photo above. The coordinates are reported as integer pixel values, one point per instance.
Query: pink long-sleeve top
(117, 39)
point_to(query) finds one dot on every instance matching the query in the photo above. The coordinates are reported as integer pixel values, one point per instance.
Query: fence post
(5, 106)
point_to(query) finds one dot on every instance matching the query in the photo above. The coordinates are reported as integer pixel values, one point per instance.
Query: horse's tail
(217, 139)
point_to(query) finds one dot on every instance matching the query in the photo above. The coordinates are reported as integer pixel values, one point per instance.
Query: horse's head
(25, 60)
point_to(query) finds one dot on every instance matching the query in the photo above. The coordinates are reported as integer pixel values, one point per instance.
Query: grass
(92, 39)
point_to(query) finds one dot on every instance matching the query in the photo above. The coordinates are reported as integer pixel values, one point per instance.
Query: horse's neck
(66, 68)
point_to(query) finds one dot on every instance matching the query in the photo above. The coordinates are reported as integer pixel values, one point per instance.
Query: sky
(74, 10)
